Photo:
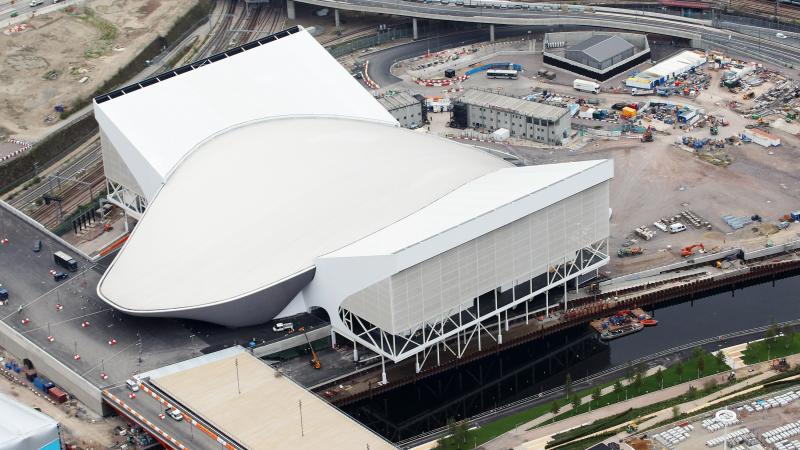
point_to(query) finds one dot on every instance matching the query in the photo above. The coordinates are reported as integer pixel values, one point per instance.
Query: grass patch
(774, 347)
(675, 374)
(108, 32)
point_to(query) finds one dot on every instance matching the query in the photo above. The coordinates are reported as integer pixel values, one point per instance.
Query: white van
(132, 385)
(677, 227)
(288, 326)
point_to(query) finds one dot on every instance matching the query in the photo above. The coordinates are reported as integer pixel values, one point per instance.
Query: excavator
(689, 251)
(315, 362)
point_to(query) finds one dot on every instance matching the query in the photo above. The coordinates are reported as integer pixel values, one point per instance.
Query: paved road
(751, 41)
(158, 341)
(147, 407)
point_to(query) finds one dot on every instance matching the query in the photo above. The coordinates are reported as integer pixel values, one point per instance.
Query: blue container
(48, 385)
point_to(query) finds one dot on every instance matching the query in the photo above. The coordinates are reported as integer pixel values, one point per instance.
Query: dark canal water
(541, 365)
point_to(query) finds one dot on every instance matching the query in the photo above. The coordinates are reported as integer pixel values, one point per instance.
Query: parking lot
(769, 422)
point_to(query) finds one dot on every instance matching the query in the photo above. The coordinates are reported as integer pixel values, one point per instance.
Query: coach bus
(500, 73)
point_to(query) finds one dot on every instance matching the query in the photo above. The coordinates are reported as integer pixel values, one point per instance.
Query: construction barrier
(163, 434)
(192, 420)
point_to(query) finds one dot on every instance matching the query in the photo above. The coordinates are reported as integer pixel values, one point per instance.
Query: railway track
(73, 196)
(785, 12)
(92, 156)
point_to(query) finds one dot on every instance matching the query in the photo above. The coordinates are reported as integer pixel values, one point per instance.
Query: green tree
(638, 382)
(449, 440)
(568, 385)
(697, 352)
(596, 394)
(618, 388)
(641, 368)
(679, 370)
(554, 409)
(676, 411)
(691, 392)
(576, 403)
(701, 366)
(720, 359)
(710, 384)
(660, 377)
(772, 331)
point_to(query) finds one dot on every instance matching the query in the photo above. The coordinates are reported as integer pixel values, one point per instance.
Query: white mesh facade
(518, 251)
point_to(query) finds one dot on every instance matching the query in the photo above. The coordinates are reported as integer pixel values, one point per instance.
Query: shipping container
(57, 394)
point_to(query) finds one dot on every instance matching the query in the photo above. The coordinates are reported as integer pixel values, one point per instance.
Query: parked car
(37, 245)
(780, 36)
(36, 2)
(3, 294)
(60, 276)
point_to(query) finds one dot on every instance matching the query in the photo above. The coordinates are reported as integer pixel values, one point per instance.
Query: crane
(315, 362)
(689, 251)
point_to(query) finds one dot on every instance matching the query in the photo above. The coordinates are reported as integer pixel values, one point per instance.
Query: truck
(636, 91)
(586, 86)
(65, 261)
(57, 395)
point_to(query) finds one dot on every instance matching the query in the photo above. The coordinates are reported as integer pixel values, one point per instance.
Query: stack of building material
(737, 222)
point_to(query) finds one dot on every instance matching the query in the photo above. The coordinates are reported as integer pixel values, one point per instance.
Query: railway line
(764, 8)
(73, 196)
(92, 156)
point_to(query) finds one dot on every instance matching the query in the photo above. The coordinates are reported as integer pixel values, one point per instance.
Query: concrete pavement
(537, 438)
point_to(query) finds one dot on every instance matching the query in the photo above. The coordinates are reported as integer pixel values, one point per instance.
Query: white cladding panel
(520, 250)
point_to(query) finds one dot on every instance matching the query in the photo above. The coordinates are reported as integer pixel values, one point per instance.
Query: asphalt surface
(754, 42)
(139, 344)
(150, 408)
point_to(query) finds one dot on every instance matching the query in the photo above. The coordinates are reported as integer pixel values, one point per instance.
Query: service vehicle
(586, 86)
(132, 385)
(65, 261)
(287, 326)
(677, 227)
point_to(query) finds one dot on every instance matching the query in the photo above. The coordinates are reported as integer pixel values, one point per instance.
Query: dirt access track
(62, 56)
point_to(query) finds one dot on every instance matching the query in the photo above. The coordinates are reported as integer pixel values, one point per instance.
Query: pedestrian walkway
(523, 437)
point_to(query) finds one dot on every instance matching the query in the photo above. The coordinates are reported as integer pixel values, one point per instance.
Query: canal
(535, 367)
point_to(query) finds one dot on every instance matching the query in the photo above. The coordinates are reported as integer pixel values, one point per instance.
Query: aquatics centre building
(267, 182)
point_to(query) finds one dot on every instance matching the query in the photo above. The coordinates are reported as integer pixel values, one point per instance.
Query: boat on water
(649, 322)
(623, 330)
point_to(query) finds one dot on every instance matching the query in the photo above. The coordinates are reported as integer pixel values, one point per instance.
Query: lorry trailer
(586, 86)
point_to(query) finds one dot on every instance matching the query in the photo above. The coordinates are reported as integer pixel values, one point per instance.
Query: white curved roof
(258, 203)
(153, 127)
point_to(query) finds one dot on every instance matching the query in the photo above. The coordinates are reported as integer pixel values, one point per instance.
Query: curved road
(750, 41)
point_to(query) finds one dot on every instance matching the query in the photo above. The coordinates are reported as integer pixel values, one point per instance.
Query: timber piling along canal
(583, 311)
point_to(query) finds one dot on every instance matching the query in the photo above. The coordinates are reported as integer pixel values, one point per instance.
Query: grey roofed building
(512, 104)
(601, 51)
(406, 108)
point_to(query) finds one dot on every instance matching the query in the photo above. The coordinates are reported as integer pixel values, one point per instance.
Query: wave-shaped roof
(256, 204)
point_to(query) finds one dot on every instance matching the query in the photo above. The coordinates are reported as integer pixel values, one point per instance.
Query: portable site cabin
(762, 137)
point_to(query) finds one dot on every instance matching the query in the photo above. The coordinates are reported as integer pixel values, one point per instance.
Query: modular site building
(24, 428)
(409, 110)
(529, 120)
(666, 70)
(262, 205)
(597, 55)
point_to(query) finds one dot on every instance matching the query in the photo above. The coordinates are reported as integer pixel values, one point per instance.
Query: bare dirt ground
(79, 426)
(44, 65)
(661, 179)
